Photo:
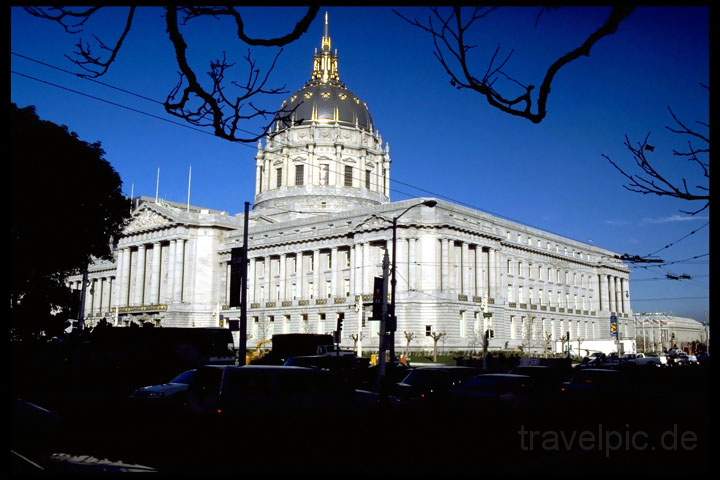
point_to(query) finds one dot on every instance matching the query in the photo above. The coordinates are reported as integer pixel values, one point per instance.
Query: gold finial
(325, 63)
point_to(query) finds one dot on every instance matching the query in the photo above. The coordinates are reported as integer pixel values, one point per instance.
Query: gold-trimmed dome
(324, 99)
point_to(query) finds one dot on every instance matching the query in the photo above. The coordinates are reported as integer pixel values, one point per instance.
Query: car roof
(503, 375)
(597, 370)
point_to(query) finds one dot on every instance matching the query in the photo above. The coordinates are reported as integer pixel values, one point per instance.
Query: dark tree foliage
(67, 206)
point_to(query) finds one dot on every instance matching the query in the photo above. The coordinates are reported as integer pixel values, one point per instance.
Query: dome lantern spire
(325, 63)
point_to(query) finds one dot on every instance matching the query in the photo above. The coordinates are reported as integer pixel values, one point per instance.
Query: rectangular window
(367, 179)
(299, 174)
(463, 330)
(384, 182)
(328, 288)
(428, 330)
(348, 176)
(278, 177)
(324, 174)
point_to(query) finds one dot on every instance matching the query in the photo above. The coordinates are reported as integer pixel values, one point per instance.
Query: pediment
(374, 223)
(147, 219)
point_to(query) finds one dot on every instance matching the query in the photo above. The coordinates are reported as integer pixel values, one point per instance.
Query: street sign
(487, 314)
(613, 326)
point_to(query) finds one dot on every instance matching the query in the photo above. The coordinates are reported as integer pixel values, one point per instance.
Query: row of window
(548, 274)
(324, 178)
(527, 328)
(553, 298)
(538, 243)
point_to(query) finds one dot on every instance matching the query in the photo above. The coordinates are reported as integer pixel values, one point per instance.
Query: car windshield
(185, 377)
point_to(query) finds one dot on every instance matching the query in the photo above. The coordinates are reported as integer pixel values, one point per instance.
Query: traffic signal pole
(242, 343)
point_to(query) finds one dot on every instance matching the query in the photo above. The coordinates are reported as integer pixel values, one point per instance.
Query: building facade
(318, 230)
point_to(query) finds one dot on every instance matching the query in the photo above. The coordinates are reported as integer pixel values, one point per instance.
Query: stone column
(479, 254)
(413, 276)
(101, 286)
(283, 274)
(89, 294)
(300, 274)
(268, 279)
(352, 252)
(335, 287)
(493, 274)
(465, 269)
(169, 289)
(444, 265)
(605, 292)
(316, 272)
(154, 297)
(257, 178)
(365, 268)
(179, 270)
(611, 290)
(125, 286)
(228, 275)
(140, 276)
(401, 268)
(118, 275)
(252, 295)
(618, 294)
(111, 291)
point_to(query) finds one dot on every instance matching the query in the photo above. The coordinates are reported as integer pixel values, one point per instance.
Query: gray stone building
(319, 227)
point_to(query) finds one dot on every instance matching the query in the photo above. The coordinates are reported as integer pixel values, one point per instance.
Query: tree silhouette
(450, 32)
(211, 105)
(409, 337)
(67, 206)
(651, 181)
(436, 338)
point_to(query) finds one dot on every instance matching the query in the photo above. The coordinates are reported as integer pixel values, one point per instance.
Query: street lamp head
(430, 203)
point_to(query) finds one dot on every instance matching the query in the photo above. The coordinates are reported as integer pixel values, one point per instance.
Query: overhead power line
(677, 241)
(672, 262)
(129, 92)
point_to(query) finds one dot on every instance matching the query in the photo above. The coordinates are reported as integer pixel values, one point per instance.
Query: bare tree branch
(211, 106)
(449, 43)
(651, 181)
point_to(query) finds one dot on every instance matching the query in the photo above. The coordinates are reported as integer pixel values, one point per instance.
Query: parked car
(423, 385)
(493, 393)
(547, 381)
(265, 393)
(592, 385)
(174, 388)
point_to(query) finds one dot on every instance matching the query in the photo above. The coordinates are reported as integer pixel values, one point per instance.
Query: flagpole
(189, 180)
(132, 195)
(157, 185)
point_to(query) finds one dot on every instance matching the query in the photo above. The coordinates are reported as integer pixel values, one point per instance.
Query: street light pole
(393, 281)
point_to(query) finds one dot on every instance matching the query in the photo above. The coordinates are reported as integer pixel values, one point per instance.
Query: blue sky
(550, 176)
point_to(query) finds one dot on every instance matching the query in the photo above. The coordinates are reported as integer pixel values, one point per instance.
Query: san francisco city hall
(319, 227)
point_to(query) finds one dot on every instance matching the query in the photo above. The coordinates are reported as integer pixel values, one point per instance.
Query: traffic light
(338, 329)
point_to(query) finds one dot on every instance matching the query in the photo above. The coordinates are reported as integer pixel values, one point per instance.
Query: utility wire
(671, 262)
(360, 180)
(677, 241)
